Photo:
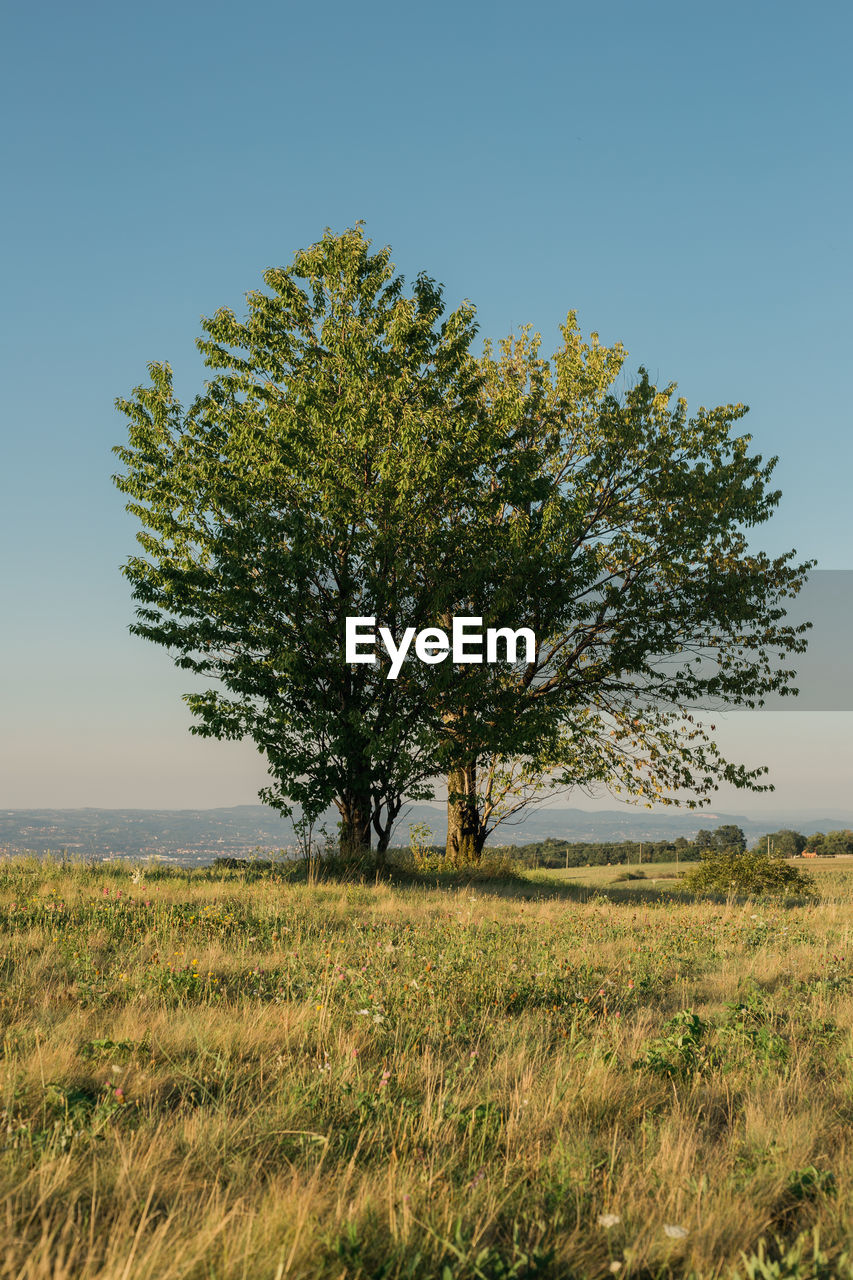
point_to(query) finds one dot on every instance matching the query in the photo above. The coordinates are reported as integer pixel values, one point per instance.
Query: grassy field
(602, 877)
(227, 1075)
(666, 874)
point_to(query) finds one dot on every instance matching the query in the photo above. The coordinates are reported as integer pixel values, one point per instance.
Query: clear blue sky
(679, 174)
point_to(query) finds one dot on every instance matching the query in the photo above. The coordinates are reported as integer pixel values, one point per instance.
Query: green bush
(679, 1052)
(426, 855)
(754, 872)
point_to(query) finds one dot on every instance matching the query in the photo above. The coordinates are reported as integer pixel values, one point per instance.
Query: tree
(627, 554)
(349, 457)
(324, 472)
(729, 836)
(790, 843)
(837, 842)
(784, 843)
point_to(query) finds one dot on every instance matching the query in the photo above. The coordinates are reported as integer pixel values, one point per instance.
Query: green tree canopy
(329, 468)
(350, 457)
(729, 836)
(783, 844)
(837, 842)
(629, 558)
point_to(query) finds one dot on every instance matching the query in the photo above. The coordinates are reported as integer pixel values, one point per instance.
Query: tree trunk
(356, 810)
(383, 829)
(465, 836)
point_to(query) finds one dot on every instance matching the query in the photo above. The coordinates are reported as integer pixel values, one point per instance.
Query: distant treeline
(784, 843)
(792, 844)
(601, 853)
(596, 853)
(565, 853)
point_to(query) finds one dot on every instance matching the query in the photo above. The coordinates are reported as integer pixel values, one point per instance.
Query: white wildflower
(675, 1233)
(608, 1220)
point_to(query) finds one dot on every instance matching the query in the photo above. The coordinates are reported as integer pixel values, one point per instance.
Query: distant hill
(197, 836)
(183, 835)
(624, 824)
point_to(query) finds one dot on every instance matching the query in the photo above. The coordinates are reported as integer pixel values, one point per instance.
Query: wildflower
(362, 1012)
(615, 1266)
(384, 1078)
(674, 1233)
(608, 1220)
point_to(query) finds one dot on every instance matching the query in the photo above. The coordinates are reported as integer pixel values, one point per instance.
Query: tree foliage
(349, 456)
(327, 469)
(629, 557)
(728, 836)
(832, 843)
(784, 843)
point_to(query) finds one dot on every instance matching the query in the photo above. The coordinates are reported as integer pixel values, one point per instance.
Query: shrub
(426, 856)
(679, 1052)
(752, 872)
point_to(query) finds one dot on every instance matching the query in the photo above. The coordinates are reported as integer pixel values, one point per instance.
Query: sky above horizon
(679, 175)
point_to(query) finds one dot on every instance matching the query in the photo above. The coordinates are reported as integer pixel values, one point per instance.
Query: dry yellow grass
(225, 1075)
